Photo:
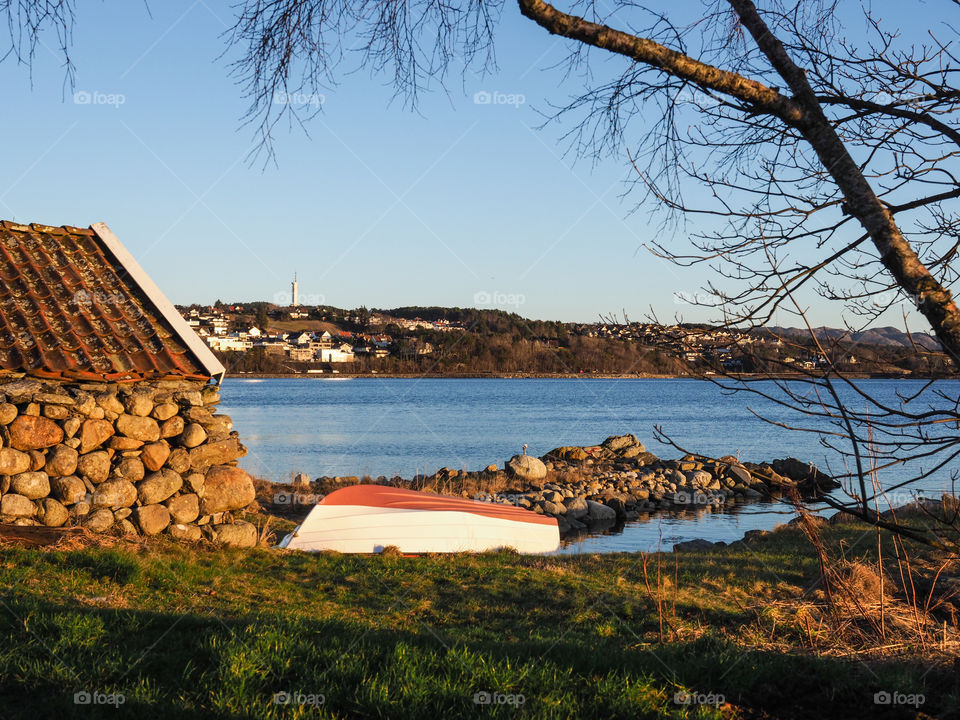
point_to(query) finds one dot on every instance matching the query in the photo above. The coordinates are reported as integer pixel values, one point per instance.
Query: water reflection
(662, 528)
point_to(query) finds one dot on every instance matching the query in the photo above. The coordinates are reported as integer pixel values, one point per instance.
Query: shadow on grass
(197, 665)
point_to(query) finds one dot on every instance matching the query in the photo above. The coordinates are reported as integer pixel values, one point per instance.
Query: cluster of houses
(699, 345)
(305, 346)
(694, 345)
(344, 347)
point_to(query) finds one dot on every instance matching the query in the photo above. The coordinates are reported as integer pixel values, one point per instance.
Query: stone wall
(144, 458)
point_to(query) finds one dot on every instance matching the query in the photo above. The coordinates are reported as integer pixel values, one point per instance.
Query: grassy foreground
(147, 630)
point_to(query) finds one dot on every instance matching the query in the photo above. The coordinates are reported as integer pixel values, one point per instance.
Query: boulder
(600, 513)
(33, 485)
(8, 413)
(85, 403)
(620, 442)
(184, 508)
(125, 526)
(130, 468)
(154, 455)
(553, 508)
(61, 460)
(197, 415)
(216, 453)
(109, 402)
(576, 507)
(618, 506)
(172, 427)
(124, 444)
(13, 461)
(179, 460)
(164, 411)
(37, 459)
(140, 428)
(527, 467)
(182, 531)
(225, 488)
(194, 481)
(68, 490)
(240, 534)
(22, 390)
(188, 398)
(17, 506)
(94, 433)
(158, 486)
(56, 412)
(115, 494)
(152, 519)
(138, 404)
(31, 432)
(219, 427)
(698, 478)
(568, 453)
(193, 435)
(698, 544)
(805, 474)
(99, 520)
(52, 513)
(740, 474)
(94, 466)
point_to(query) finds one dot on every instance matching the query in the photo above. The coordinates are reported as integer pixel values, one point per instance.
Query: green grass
(183, 632)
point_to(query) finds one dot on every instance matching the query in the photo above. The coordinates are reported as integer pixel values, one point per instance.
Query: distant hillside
(884, 336)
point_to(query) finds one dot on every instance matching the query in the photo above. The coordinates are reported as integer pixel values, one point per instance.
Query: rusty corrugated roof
(70, 310)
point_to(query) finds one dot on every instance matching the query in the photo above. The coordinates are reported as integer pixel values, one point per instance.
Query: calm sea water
(393, 426)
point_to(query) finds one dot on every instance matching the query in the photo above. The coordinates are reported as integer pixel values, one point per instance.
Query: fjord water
(399, 426)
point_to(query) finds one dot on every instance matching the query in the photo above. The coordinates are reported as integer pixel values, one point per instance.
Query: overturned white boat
(368, 518)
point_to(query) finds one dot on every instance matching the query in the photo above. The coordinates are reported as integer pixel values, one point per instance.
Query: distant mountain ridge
(885, 336)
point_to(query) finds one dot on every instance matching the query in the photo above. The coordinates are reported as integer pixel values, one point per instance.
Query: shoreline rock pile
(616, 481)
(143, 458)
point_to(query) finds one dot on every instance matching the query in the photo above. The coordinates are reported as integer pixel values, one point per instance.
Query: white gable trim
(197, 346)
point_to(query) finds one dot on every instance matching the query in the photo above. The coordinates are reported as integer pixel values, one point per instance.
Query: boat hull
(365, 529)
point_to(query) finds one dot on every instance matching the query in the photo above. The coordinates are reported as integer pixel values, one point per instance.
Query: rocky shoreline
(588, 488)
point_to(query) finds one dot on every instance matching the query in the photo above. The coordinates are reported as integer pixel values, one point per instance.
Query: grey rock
(99, 520)
(577, 507)
(240, 534)
(32, 485)
(598, 512)
(17, 506)
(527, 467)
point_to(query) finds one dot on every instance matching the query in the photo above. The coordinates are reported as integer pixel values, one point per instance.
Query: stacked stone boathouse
(108, 399)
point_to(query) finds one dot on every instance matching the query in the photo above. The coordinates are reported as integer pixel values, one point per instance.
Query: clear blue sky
(379, 206)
